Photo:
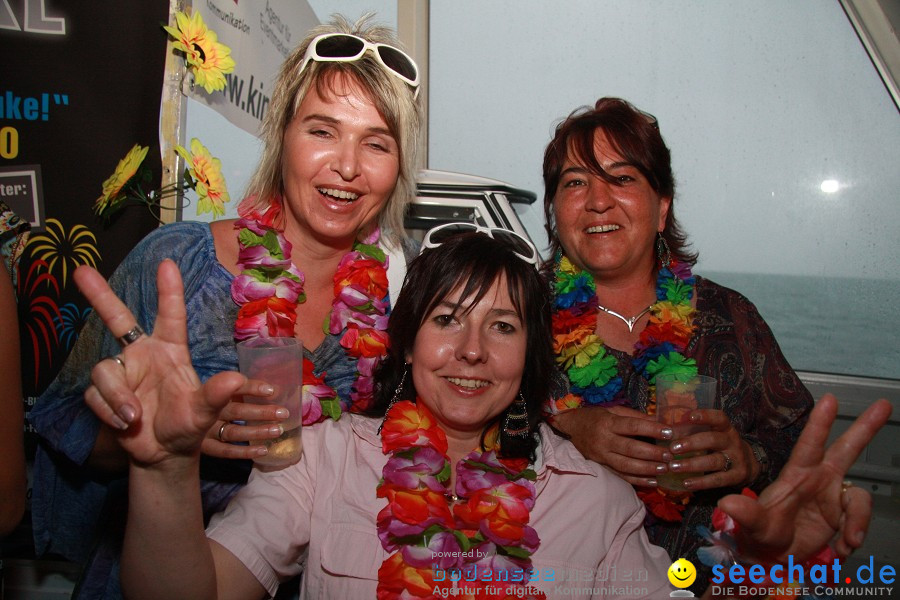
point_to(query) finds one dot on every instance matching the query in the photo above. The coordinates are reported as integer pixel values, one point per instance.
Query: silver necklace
(630, 322)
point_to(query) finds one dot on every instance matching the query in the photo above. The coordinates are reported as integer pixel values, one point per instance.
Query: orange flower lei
(481, 546)
(269, 289)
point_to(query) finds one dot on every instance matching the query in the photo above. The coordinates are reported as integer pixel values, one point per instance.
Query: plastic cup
(676, 398)
(277, 361)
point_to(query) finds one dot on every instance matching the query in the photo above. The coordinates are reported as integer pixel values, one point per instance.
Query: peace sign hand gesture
(809, 505)
(150, 394)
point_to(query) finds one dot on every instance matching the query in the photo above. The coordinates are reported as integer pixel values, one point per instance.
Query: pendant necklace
(630, 322)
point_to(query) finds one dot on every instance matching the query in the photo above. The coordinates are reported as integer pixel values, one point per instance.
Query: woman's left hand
(726, 458)
(811, 503)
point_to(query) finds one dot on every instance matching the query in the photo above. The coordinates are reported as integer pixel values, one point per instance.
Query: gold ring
(118, 359)
(728, 462)
(846, 485)
(222, 431)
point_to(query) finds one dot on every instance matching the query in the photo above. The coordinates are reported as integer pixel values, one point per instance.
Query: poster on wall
(260, 35)
(81, 86)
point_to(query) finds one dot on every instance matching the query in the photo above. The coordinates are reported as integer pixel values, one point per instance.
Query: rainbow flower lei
(484, 540)
(593, 373)
(269, 289)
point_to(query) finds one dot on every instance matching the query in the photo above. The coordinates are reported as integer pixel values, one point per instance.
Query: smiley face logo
(682, 573)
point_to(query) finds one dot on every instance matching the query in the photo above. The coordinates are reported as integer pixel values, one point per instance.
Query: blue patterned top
(70, 508)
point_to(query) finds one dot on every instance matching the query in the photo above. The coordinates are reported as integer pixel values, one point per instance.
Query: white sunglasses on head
(346, 47)
(520, 246)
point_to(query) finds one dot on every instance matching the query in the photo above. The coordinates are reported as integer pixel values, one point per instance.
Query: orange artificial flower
(409, 425)
(364, 274)
(369, 343)
(567, 402)
(566, 339)
(416, 506)
(396, 579)
(276, 313)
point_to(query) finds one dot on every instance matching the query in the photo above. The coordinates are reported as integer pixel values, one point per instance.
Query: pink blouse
(318, 517)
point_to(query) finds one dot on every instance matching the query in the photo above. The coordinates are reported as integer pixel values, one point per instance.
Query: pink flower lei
(270, 287)
(481, 539)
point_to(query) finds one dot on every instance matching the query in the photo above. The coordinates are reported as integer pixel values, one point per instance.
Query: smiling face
(339, 167)
(608, 228)
(467, 362)
(682, 573)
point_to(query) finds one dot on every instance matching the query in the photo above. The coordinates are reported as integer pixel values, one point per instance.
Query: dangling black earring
(516, 422)
(662, 251)
(396, 397)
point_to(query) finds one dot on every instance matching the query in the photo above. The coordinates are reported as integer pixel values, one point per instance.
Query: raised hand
(809, 505)
(150, 393)
(607, 436)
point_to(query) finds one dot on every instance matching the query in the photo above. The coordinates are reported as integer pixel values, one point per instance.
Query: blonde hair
(393, 98)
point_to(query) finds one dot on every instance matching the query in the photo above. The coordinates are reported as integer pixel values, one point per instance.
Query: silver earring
(396, 397)
(516, 422)
(662, 251)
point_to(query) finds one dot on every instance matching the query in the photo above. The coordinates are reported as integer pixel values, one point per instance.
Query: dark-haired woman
(627, 309)
(458, 491)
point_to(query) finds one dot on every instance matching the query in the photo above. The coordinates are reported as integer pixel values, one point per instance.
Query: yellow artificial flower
(125, 170)
(579, 354)
(566, 266)
(208, 59)
(667, 311)
(207, 173)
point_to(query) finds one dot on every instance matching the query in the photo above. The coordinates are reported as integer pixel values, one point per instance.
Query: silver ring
(846, 485)
(728, 462)
(118, 359)
(222, 431)
(131, 336)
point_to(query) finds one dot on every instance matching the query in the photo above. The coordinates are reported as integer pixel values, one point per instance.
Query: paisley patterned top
(758, 390)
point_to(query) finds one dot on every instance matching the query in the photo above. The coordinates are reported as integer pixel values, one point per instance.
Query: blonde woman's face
(340, 165)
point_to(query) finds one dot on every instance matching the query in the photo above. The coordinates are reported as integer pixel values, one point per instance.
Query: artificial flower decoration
(593, 373)
(112, 195)
(206, 58)
(130, 181)
(270, 288)
(480, 534)
(206, 170)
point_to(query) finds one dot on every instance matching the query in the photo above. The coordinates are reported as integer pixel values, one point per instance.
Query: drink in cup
(676, 398)
(277, 361)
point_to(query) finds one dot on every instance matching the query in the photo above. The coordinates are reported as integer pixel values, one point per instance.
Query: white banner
(260, 33)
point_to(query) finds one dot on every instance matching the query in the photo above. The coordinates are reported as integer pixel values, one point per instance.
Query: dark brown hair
(474, 261)
(635, 135)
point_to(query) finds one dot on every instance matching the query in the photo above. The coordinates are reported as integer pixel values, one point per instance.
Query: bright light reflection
(830, 186)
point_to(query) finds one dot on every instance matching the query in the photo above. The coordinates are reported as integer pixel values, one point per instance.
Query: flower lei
(269, 289)
(592, 372)
(723, 549)
(484, 542)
